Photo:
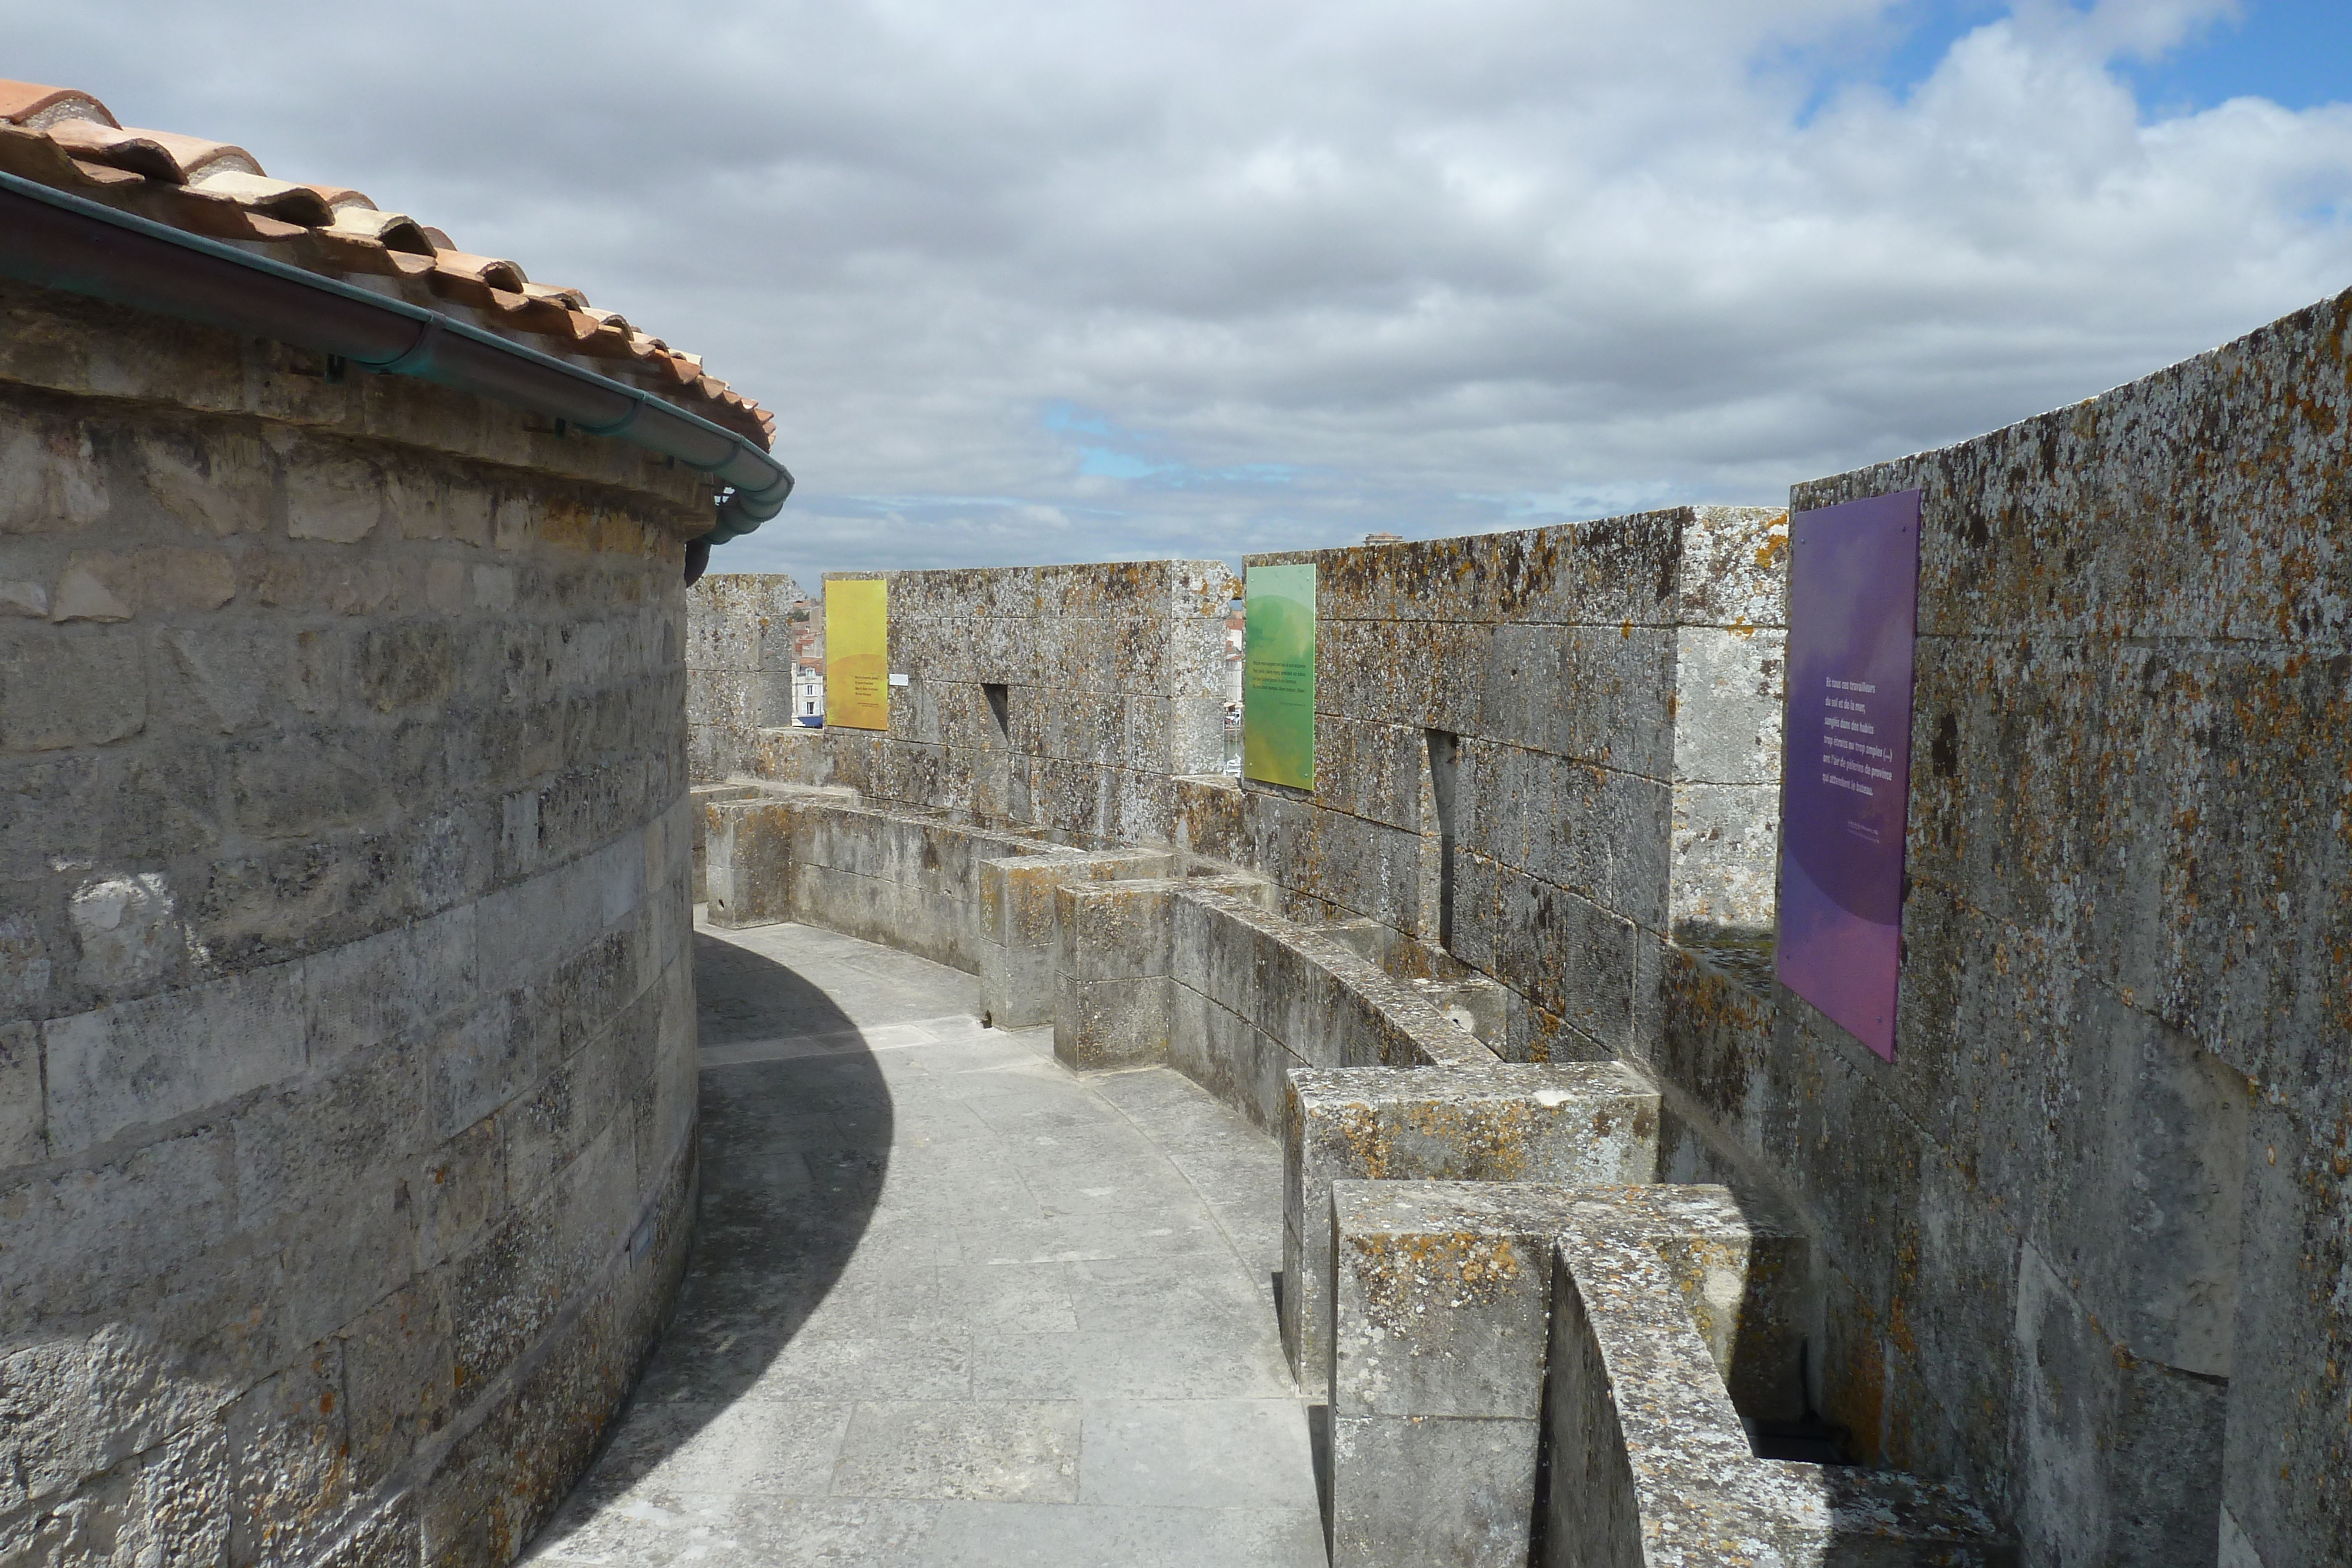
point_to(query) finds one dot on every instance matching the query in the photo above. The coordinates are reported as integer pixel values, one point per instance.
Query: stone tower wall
(347, 1041)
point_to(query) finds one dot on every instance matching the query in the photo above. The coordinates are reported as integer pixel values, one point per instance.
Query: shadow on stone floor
(793, 1155)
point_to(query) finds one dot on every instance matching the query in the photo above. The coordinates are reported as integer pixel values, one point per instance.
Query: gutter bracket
(417, 360)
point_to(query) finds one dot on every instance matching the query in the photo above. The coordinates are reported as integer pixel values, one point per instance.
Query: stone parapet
(1440, 1310)
(1255, 995)
(2081, 1242)
(740, 642)
(698, 797)
(1567, 1373)
(1609, 756)
(1063, 699)
(1575, 1122)
(1021, 914)
(1647, 1459)
(817, 854)
(1114, 973)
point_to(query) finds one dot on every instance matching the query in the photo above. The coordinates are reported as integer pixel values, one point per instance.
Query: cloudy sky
(1028, 281)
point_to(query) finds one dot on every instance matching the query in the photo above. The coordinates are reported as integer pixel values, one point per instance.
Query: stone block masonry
(1063, 699)
(347, 1054)
(1648, 1459)
(739, 641)
(2081, 1247)
(816, 853)
(1021, 914)
(2087, 1233)
(1546, 752)
(1439, 1318)
(1580, 1122)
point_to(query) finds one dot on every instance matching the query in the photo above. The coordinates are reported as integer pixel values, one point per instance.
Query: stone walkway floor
(950, 1303)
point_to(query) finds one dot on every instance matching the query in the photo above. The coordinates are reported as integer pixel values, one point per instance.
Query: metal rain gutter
(66, 241)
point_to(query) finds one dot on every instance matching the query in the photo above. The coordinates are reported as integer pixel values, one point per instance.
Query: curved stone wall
(346, 1028)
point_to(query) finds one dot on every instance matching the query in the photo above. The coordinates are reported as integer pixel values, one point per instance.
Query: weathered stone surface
(747, 869)
(1439, 1336)
(2121, 1016)
(1648, 1462)
(740, 651)
(2119, 939)
(1021, 926)
(1106, 677)
(343, 853)
(1580, 1124)
(1430, 1489)
(89, 693)
(1111, 1023)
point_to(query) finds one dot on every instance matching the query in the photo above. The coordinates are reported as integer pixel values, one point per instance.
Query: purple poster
(1854, 605)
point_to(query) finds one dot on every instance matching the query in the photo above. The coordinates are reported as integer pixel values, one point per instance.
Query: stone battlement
(2072, 1250)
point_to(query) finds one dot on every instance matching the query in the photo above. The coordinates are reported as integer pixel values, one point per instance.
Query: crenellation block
(1581, 1124)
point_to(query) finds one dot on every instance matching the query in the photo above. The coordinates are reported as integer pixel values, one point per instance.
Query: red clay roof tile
(67, 139)
(118, 148)
(338, 197)
(31, 104)
(30, 155)
(487, 269)
(275, 198)
(193, 155)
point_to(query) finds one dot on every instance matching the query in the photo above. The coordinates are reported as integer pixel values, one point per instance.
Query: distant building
(1233, 654)
(808, 692)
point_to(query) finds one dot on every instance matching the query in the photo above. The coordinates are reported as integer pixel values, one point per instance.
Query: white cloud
(1292, 273)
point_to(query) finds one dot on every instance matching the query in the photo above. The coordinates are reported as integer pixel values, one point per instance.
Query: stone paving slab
(950, 1303)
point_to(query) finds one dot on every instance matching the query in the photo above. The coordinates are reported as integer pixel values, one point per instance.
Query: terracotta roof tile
(571, 297)
(395, 231)
(68, 140)
(117, 148)
(31, 155)
(32, 105)
(337, 197)
(275, 198)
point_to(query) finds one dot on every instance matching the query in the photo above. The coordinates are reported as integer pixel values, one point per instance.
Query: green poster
(1278, 676)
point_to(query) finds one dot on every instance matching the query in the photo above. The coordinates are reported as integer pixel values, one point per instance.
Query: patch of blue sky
(1897, 52)
(2292, 52)
(1133, 456)
(1924, 32)
(1107, 463)
(1070, 418)
(2296, 53)
(1110, 457)
(1128, 455)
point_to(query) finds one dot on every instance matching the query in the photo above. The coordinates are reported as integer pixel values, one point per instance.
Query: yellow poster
(857, 653)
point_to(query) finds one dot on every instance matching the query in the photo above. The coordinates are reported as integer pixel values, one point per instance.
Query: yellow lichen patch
(1402, 1275)
(619, 533)
(567, 524)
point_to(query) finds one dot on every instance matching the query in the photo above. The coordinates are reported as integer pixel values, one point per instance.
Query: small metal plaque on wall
(1854, 605)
